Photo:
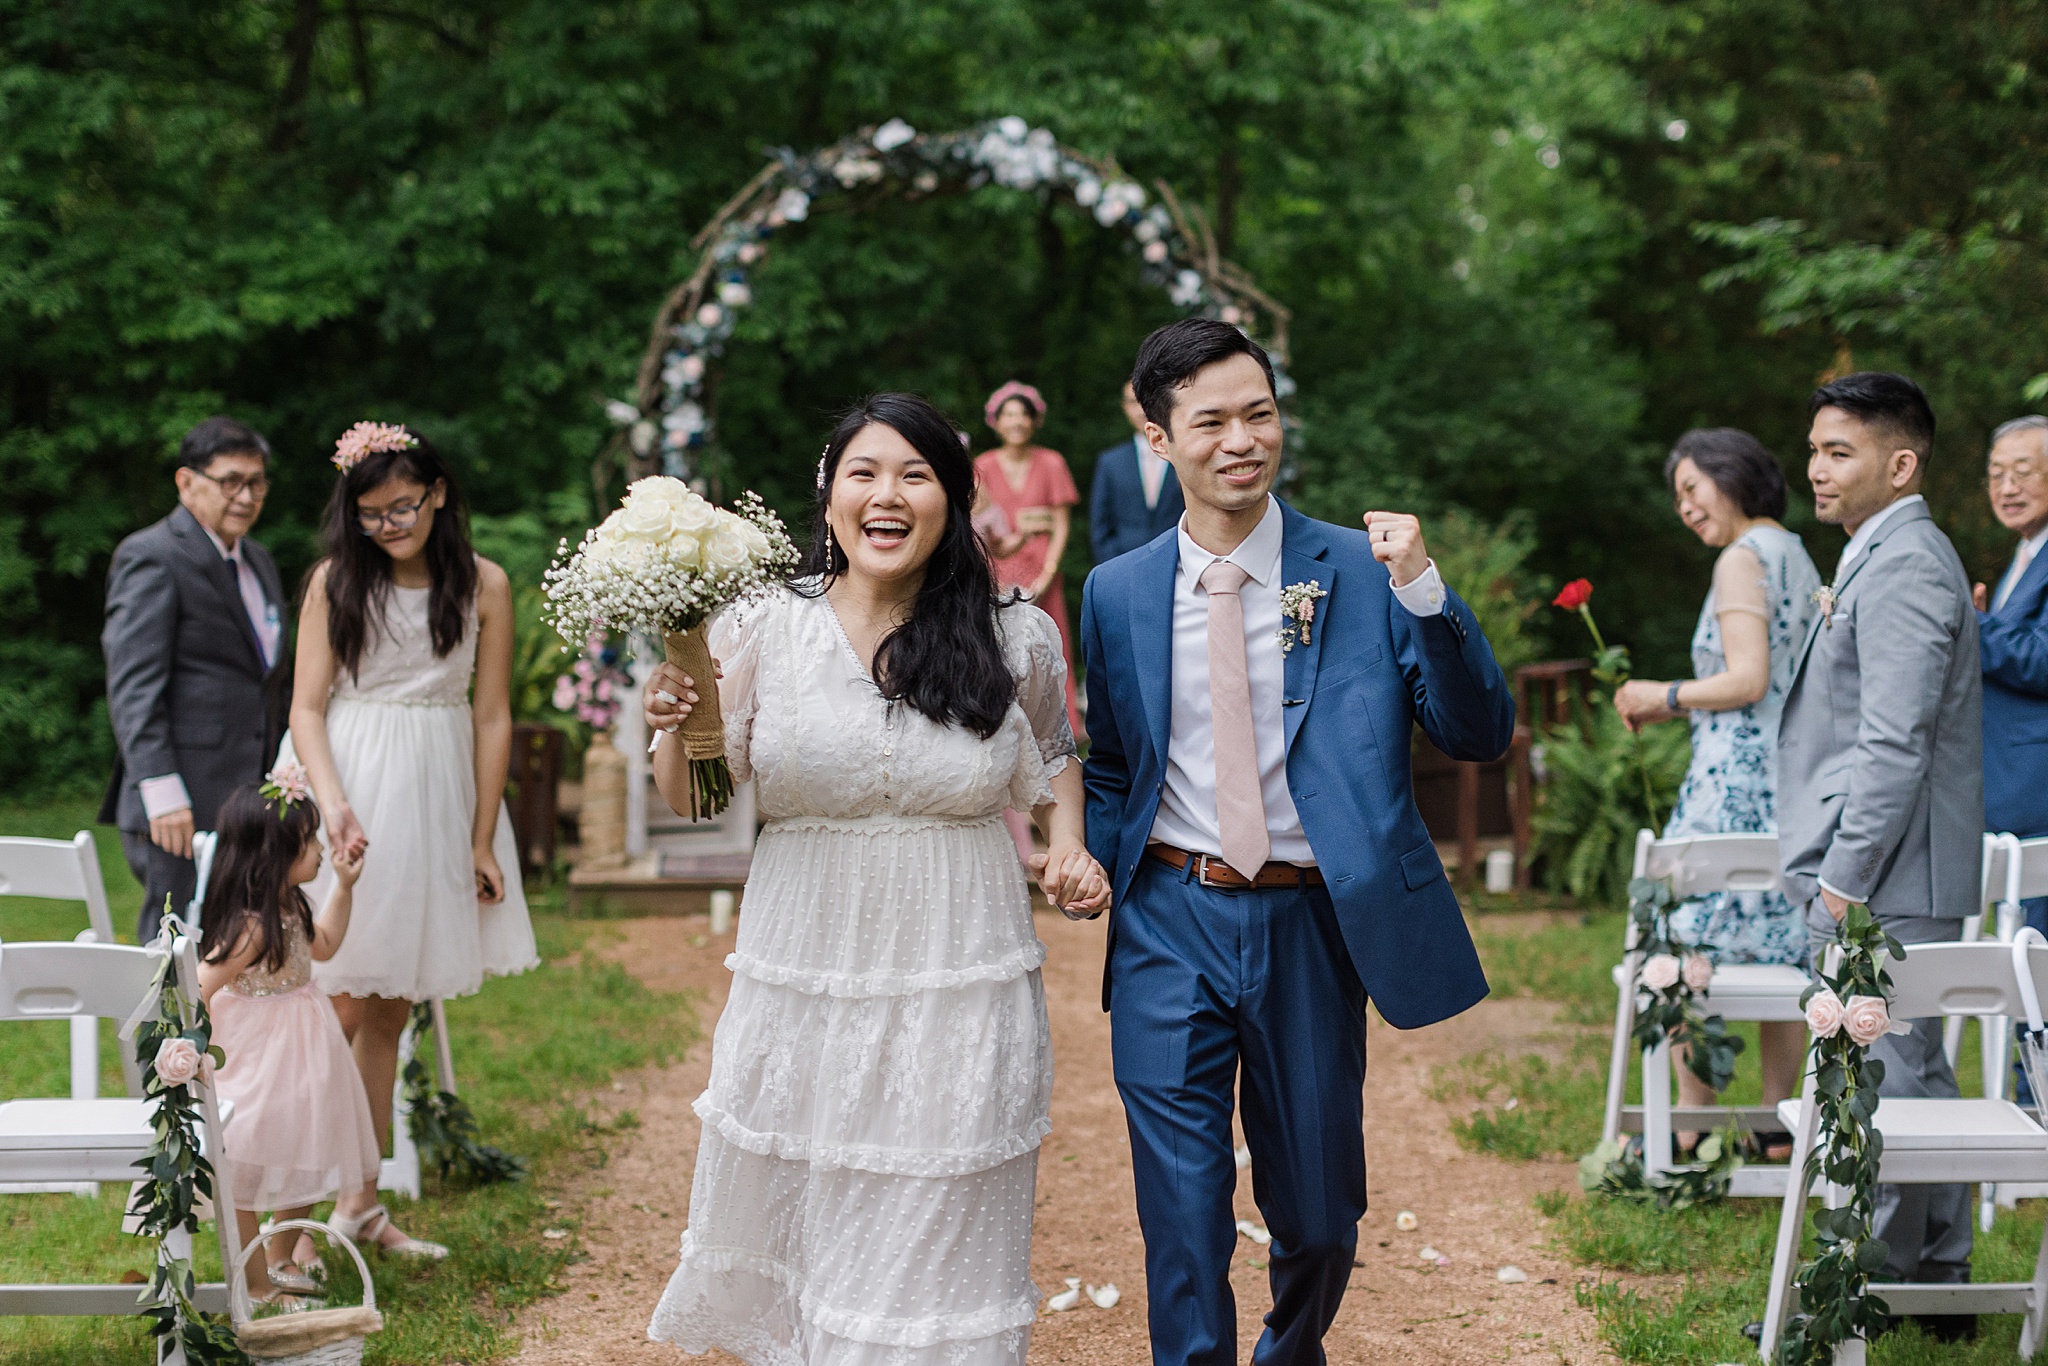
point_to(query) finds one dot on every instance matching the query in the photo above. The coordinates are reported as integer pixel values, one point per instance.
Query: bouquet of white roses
(663, 563)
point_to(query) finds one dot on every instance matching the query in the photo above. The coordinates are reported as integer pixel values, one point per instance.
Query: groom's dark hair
(1891, 403)
(1172, 356)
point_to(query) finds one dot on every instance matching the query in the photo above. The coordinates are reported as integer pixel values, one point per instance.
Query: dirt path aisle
(1475, 1210)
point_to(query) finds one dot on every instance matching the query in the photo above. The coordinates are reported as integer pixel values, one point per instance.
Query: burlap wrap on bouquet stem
(703, 730)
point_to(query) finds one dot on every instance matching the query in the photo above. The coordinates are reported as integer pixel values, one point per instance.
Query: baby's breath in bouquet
(663, 564)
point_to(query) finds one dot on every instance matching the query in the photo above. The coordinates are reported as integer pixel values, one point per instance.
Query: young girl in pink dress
(299, 1131)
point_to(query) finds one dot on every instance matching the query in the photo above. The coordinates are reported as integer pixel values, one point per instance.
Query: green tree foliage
(1594, 800)
(1506, 296)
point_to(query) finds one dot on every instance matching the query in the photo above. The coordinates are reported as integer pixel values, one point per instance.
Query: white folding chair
(69, 870)
(1932, 1141)
(2014, 871)
(1694, 865)
(97, 1139)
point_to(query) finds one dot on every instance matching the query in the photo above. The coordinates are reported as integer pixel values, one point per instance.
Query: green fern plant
(1593, 801)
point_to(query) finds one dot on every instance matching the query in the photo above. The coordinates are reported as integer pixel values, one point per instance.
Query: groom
(1253, 678)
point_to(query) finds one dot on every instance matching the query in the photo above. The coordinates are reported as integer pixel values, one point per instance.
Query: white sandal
(366, 1229)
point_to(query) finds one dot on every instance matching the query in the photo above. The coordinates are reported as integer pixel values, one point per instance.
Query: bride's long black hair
(945, 661)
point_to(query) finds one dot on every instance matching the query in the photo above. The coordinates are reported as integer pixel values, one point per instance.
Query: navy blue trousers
(1209, 988)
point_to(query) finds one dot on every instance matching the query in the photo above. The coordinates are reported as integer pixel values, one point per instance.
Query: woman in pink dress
(1031, 489)
(1035, 491)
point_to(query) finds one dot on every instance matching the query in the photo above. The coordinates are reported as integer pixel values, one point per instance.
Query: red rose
(1573, 595)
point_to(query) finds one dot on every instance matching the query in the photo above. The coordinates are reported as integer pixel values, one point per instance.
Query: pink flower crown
(1013, 389)
(369, 438)
(286, 784)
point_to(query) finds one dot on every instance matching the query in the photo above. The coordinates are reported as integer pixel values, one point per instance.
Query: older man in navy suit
(2012, 633)
(1253, 678)
(1136, 494)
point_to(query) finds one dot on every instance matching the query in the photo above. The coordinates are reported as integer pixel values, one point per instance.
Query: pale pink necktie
(1240, 804)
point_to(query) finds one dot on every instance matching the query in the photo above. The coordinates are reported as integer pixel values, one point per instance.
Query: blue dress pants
(1211, 989)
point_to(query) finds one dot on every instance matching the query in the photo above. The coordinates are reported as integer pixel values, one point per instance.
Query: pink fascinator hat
(1013, 389)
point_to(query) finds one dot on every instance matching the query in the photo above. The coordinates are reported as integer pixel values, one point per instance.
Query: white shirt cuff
(1825, 886)
(163, 796)
(1424, 594)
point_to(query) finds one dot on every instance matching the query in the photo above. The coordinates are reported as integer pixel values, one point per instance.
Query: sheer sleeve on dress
(1740, 584)
(1040, 667)
(735, 640)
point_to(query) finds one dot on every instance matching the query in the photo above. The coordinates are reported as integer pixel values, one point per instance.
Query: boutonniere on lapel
(1298, 613)
(1824, 598)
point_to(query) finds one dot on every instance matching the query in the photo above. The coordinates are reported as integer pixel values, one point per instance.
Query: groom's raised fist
(1397, 544)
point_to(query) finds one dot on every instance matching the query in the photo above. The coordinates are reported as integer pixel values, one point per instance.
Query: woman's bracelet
(1671, 703)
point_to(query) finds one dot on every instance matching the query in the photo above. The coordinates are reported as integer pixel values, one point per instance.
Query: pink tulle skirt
(300, 1131)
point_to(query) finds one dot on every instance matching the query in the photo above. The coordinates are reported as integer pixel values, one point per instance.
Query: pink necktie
(1240, 804)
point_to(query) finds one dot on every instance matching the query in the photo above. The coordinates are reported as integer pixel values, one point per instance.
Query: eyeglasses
(2021, 474)
(400, 517)
(233, 486)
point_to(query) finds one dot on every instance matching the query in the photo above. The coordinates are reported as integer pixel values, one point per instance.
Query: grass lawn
(1677, 1287)
(522, 1082)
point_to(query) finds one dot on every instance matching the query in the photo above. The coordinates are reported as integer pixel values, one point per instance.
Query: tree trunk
(298, 81)
(359, 43)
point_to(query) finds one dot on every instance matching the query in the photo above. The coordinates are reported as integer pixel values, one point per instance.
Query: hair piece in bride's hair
(945, 661)
(358, 569)
(249, 885)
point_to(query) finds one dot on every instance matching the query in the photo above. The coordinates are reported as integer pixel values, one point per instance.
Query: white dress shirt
(165, 794)
(2030, 546)
(1187, 807)
(1151, 470)
(1861, 540)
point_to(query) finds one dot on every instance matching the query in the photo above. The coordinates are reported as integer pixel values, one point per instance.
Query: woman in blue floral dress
(1730, 492)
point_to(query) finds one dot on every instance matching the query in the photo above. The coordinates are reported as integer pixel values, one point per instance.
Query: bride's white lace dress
(881, 1076)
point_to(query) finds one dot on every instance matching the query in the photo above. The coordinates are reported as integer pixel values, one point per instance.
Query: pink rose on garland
(177, 1061)
(1660, 973)
(1867, 1019)
(1824, 1014)
(1699, 971)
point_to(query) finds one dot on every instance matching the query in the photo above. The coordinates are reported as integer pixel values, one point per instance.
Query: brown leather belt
(1212, 871)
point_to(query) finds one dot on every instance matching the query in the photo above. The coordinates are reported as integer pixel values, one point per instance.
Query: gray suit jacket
(1880, 752)
(185, 675)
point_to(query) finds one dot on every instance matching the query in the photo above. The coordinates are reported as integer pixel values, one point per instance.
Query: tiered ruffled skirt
(880, 1081)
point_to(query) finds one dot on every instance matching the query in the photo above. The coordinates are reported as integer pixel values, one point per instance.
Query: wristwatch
(1671, 699)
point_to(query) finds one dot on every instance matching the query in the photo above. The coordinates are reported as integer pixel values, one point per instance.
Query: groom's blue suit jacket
(1370, 671)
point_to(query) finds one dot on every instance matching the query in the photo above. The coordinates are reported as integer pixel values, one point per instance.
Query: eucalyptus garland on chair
(443, 1128)
(1847, 1012)
(1674, 974)
(176, 1174)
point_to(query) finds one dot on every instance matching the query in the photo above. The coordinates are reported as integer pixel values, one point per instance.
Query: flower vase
(702, 732)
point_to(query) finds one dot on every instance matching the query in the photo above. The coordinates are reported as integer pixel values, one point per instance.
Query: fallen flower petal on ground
(1406, 1221)
(1106, 1296)
(1254, 1232)
(1067, 1298)
(1511, 1275)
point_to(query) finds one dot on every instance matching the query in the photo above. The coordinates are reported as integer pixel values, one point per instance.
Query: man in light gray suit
(1880, 754)
(194, 632)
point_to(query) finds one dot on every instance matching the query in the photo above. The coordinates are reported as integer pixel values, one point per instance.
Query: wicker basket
(317, 1337)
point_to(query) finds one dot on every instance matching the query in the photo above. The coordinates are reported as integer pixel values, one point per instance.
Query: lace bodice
(804, 720)
(399, 664)
(296, 972)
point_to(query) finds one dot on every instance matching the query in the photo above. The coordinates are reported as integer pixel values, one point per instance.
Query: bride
(881, 1076)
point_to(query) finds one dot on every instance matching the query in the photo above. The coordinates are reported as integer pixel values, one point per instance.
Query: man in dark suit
(1136, 494)
(195, 629)
(2012, 634)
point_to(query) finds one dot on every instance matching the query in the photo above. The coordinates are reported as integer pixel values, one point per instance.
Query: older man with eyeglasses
(2012, 631)
(195, 645)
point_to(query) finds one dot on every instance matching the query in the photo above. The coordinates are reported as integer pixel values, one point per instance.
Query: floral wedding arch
(668, 427)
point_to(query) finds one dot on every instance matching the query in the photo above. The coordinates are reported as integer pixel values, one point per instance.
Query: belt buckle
(1202, 871)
